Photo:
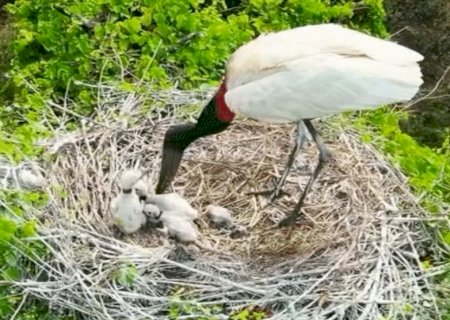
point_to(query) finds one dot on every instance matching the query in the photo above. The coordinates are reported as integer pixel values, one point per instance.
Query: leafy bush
(160, 41)
(428, 170)
(16, 246)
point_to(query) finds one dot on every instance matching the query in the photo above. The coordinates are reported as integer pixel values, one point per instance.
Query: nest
(357, 258)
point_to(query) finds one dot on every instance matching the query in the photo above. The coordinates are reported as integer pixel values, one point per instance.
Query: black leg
(277, 191)
(324, 155)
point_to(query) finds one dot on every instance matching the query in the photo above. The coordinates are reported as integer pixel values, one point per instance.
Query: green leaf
(11, 273)
(132, 25)
(127, 275)
(28, 229)
(7, 229)
(446, 237)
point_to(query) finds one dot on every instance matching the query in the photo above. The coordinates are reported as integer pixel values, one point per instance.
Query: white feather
(179, 226)
(31, 180)
(127, 212)
(129, 178)
(173, 202)
(317, 70)
(140, 187)
(275, 49)
(220, 216)
(322, 85)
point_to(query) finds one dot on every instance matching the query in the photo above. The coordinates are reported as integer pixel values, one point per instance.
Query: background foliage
(161, 41)
(56, 43)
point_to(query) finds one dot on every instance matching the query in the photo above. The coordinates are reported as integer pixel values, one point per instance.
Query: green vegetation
(428, 172)
(54, 44)
(182, 305)
(17, 227)
(160, 41)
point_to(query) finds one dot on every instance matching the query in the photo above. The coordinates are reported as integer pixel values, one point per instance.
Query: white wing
(173, 201)
(113, 205)
(320, 85)
(258, 57)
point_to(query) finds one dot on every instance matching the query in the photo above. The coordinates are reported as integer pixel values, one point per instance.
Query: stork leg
(324, 155)
(277, 191)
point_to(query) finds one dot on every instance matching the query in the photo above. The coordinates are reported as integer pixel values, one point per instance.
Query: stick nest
(360, 259)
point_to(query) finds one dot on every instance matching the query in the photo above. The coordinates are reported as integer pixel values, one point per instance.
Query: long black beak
(170, 162)
(176, 140)
(179, 137)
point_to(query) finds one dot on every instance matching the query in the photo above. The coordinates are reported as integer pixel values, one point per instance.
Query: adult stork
(295, 76)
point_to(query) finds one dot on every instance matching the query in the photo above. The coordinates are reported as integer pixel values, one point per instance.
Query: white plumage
(220, 216)
(143, 187)
(129, 179)
(173, 202)
(31, 179)
(179, 226)
(126, 208)
(175, 223)
(317, 70)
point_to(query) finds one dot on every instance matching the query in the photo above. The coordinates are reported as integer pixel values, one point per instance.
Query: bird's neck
(223, 113)
(215, 117)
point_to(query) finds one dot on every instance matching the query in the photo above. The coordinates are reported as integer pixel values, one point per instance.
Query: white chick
(175, 223)
(220, 216)
(31, 180)
(143, 188)
(172, 202)
(126, 208)
(180, 227)
(152, 214)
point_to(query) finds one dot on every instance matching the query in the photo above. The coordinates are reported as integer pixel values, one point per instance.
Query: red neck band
(223, 113)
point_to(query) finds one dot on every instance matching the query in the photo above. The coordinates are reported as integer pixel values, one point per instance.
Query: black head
(179, 137)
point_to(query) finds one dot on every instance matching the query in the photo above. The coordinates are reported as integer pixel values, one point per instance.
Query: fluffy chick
(31, 180)
(179, 226)
(220, 216)
(144, 188)
(175, 223)
(152, 214)
(172, 202)
(126, 208)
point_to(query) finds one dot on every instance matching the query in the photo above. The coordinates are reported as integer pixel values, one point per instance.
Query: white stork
(297, 75)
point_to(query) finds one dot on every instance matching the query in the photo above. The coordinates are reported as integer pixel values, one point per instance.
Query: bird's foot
(291, 220)
(287, 221)
(274, 193)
